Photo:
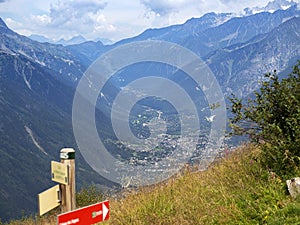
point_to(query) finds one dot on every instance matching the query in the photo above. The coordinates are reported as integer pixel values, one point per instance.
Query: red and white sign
(85, 216)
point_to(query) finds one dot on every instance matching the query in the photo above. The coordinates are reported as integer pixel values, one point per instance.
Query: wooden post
(68, 192)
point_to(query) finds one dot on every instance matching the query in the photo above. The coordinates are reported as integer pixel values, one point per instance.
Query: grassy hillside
(234, 190)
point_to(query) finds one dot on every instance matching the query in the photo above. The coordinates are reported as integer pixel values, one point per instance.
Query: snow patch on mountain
(68, 61)
(272, 6)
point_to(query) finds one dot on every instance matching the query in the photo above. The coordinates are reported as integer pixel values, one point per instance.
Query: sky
(110, 19)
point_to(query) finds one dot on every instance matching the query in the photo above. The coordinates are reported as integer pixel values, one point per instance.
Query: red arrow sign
(85, 216)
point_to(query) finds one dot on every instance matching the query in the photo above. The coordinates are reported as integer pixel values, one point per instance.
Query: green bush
(272, 119)
(88, 196)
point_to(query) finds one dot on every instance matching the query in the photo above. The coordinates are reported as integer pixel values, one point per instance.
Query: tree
(272, 119)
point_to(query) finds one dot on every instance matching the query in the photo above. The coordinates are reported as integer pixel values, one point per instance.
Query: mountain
(38, 82)
(227, 49)
(238, 30)
(88, 51)
(33, 129)
(239, 50)
(176, 33)
(208, 33)
(105, 41)
(55, 59)
(74, 40)
(40, 38)
(36, 94)
(214, 31)
(239, 68)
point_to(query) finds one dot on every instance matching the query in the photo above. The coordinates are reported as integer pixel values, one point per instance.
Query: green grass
(234, 190)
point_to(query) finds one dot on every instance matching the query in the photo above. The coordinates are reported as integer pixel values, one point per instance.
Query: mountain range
(73, 41)
(38, 82)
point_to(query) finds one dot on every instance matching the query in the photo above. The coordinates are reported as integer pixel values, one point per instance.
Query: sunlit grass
(234, 190)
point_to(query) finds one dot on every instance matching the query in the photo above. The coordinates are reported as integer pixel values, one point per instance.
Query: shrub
(88, 196)
(272, 119)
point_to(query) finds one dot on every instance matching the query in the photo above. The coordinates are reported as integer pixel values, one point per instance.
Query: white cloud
(113, 19)
(238, 6)
(41, 20)
(65, 19)
(67, 12)
(165, 7)
(177, 8)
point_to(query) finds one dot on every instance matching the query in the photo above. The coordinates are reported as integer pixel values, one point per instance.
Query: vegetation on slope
(235, 190)
(272, 119)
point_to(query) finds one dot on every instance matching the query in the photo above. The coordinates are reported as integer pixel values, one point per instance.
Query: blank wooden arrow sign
(48, 199)
(85, 216)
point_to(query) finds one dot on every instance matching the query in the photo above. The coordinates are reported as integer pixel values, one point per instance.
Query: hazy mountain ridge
(79, 39)
(209, 32)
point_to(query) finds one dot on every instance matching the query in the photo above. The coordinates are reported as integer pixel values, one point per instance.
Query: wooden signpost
(64, 195)
(64, 173)
(68, 201)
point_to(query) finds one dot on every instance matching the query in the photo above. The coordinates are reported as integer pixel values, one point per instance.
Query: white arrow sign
(105, 211)
(88, 215)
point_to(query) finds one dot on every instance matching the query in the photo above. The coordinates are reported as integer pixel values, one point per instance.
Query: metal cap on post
(67, 153)
(68, 203)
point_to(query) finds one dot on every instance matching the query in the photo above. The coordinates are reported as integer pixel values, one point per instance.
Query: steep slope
(177, 33)
(54, 59)
(239, 68)
(32, 131)
(35, 120)
(237, 30)
(88, 51)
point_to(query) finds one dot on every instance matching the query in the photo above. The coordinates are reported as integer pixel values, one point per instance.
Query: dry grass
(235, 190)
